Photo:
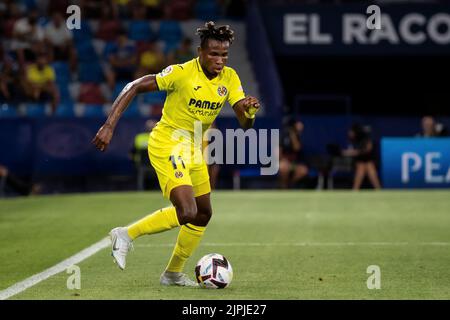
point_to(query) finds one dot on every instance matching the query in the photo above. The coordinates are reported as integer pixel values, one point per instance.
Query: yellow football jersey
(191, 96)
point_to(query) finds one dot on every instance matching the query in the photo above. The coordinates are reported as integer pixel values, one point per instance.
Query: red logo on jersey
(221, 90)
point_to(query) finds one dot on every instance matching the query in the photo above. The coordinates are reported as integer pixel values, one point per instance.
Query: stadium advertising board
(405, 29)
(415, 162)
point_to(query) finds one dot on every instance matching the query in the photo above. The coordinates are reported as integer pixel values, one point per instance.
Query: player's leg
(192, 231)
(285, 169)
(373, 176)
(360, 172)
(300, 171)
(175, 182)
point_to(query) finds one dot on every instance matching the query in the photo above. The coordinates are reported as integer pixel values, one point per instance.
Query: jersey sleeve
(168, 78)
(236, 91)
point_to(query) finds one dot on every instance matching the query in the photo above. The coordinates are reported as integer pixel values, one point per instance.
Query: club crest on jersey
(178, 174)
(166, 71)
(222, 91)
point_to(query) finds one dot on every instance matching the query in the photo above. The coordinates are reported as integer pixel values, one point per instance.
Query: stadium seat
(140, 31)
(65, 110)
(8, 111)
(90, 93)
(90, 72)
(118, 88)
(108, 48)
(36, 110)
(206, 10)
(99, 46)
(156, 97)
(83, 34)
(86, 52)
(170, 32)
(62, 71)
(181, 9)
(64, 92)
(132, 110)
(93, 111)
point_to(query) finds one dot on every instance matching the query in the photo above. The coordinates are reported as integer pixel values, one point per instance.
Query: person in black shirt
(362, 151)
(292, 162)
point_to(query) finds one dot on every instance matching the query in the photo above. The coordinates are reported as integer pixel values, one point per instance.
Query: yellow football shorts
(174, 163)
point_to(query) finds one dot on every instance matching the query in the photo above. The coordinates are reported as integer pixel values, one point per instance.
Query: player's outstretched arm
(105, 133)
(245, 111)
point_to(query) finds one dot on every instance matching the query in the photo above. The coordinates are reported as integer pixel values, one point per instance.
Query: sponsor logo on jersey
(222, 91)
(166, 71)
(204, 104)
(178, 174)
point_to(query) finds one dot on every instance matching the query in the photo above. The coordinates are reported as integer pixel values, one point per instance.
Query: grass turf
(282, 245)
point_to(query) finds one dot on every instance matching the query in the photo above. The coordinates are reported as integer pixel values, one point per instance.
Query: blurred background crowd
(57, 85)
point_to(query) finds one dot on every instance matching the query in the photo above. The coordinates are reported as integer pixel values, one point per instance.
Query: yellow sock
(161, 220)
(188, 240)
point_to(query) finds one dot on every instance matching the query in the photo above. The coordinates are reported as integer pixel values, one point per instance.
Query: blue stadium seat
(90, 72)
(141, 31)
(93, 111)
(65, 110)
(117, 89)
(62, 71)
(29, 4)
(86, 52)
(206, 10)
(83, 34)
(64, 93)
(8, 111)
(156, 97)
(109, 47)
(36, 110)
(170, 32)
(132, 110)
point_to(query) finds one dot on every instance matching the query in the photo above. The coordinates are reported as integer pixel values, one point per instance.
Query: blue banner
(416, 29)
(415, 162)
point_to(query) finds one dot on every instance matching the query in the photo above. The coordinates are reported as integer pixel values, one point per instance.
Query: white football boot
(120, 245)
(176, 279)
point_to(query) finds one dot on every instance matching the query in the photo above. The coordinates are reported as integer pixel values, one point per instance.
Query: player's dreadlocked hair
(210, 31)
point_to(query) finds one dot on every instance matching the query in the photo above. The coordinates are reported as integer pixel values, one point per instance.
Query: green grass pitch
(282, 245)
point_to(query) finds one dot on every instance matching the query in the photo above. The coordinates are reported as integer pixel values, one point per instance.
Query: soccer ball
(213, 271)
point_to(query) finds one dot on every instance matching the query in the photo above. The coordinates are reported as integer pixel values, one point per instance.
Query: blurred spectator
(121, 8)
(139, 155)
(59, 39)
(151, 59)
(362, 151)
(182, 54)
(109, 25)
(9, 77)
(8, 179)
(292, 161)
(122, 59)
(40, 82)
(153, 9)
(213, 168)
(26, 33)
(9, 19)
(92, 9)
(430, 128)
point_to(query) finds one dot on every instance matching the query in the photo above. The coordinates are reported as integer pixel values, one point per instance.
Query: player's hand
(103, 137)
(251, 106)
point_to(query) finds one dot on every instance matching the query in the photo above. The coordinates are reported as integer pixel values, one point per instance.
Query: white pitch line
(86, 253)
(300, 244)
(63, 265)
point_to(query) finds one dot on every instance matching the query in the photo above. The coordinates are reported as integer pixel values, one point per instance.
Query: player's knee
(203, 216)
(284, 167)
(186, 213)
